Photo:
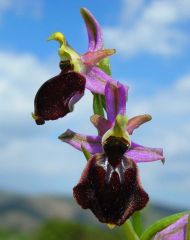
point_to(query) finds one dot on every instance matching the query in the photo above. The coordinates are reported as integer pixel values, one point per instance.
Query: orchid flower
(110, 184)
(175, 231)
(115, 105)
(57, 96)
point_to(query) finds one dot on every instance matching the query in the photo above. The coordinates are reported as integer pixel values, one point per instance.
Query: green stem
(188, 229)
(99, 100)
(137, 223)
(98, 107)
(104, 64)
(86, 153)
(129, 231)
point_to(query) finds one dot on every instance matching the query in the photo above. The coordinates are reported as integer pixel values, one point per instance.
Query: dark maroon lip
(113, 194)
(53, 97)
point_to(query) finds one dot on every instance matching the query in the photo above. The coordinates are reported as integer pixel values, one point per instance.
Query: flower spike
(110, 185)
(111, 173)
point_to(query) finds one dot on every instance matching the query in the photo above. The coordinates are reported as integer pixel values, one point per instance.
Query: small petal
(95, 38)
(136, 122)
(92, 58)
(96, 80)
(113, 194)
(139, 153)
(115, 100)
(56, 97)
(176, 231)
(91, 143)
(102, 124)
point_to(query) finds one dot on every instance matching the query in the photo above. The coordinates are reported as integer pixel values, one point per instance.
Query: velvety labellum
(56, 97)
(110, 186)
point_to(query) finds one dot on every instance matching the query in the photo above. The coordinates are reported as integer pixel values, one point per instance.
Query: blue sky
(152, 39)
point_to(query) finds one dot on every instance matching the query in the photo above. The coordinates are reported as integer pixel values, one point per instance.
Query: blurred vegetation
(12, 235)
(60, 218)
(59, 229)
(56, 229)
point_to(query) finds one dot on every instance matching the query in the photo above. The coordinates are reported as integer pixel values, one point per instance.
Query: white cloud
(171, 113)
(171, 101)
(21, 8)
(31, 153)
(170, 129)
(40, 155)
(184, 85)
(4, 5)
(20, 76)
(150, 27)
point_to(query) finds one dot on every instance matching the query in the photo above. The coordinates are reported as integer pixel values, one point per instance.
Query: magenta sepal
(116, 97)
(91, 143)
(176, 231)
(139, 153)
(95, 38)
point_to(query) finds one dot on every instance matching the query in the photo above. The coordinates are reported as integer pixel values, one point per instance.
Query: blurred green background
(56, 218)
